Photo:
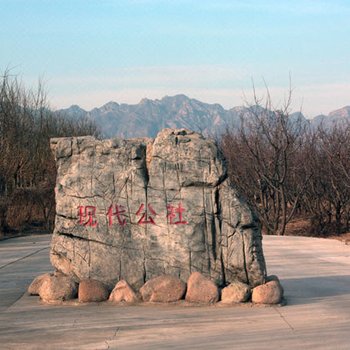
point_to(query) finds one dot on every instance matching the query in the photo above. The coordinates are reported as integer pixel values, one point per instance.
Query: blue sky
(89, 52)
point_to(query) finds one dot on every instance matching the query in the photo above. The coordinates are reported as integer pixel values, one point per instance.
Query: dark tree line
(289, 170)
(27, 168)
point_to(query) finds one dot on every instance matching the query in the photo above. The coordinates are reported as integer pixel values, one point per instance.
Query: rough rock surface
(58, 288)
(270, 292)
(123, 292)
(92, 290)
(163, 289)
(136, 209)
(201, 289)
(236, 292)
(34, 287)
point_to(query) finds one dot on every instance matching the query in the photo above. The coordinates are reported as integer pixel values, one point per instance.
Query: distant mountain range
(149, 116)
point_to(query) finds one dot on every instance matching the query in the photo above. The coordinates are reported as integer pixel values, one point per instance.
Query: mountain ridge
(147, 117)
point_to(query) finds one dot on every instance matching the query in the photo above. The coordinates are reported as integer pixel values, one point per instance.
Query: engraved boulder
(136, 209)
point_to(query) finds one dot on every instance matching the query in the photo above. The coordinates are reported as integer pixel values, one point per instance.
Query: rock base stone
(236, 292)
(58, 288)
(92, 291)
(34, 287)
(270, 292)
(163, 289)
(122, 292)
(201, 289)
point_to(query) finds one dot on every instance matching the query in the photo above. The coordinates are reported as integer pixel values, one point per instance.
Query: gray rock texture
(139, 208)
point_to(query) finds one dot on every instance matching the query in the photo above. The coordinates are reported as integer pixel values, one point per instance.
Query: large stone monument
(136, 209)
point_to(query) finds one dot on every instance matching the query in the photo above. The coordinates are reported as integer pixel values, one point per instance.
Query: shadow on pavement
(307, 290)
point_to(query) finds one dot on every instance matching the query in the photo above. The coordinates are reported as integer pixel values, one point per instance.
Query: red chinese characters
(87, 215)
(117, 215)
(175, 215)
(146, 218)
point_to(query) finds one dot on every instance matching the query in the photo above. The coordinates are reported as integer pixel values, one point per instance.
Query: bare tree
(27, 169)
(263, 160)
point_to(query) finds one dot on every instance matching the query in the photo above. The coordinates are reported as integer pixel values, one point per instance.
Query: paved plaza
(315, 274)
